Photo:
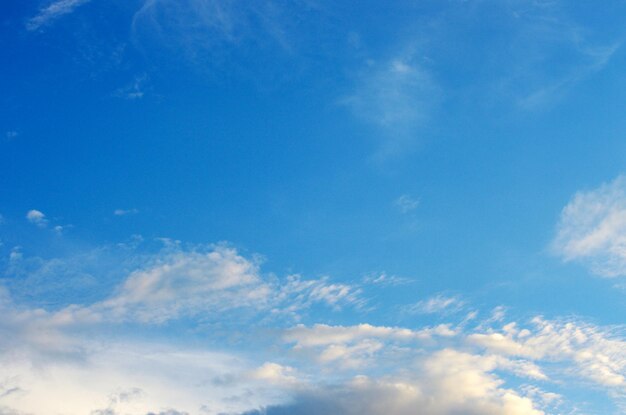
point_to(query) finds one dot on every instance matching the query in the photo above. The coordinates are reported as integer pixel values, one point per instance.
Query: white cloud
(52, 12)
(592, 229)
(124, 212)
(89, 354)
(445, 383)
(186, 283)
(322, 334)
(37, 217)
(406, 203)
(275, 373)
(203, 281)
(12, 134)
(588, 350)
(350, 347)
(127, 378)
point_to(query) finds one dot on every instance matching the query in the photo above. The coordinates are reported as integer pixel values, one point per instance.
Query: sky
(304, 207)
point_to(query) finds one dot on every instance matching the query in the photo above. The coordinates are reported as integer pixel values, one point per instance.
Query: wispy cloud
(385, 280)
(549, 52)
(592, 229)
(437, 304)
(207, 32)
(134, 90)
(52, 12)
(397, 96)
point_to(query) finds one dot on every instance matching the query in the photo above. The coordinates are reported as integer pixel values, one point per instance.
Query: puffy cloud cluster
(80, 359)
(447, 382)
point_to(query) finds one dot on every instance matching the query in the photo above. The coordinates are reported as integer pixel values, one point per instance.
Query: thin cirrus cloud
(52, 12)
(592, 229)
(437, 304)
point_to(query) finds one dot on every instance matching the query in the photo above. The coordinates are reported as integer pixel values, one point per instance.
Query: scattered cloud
(37, 217)
(465, 365)
(406, 203)
(11, 135)
(125, 212)
(592, 353)
(52, 12)
(592, 229)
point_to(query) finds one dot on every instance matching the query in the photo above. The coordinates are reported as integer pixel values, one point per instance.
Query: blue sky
(306, 207)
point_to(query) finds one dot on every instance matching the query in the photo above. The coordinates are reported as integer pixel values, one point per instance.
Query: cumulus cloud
(37, 217)
(592, 229)
(52, 12)
(448, 382)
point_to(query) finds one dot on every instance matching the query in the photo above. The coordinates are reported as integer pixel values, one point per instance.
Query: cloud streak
(53, 12)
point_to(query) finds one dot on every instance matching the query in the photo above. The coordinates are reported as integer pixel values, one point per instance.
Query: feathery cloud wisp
(52, 12)
(592, 229)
